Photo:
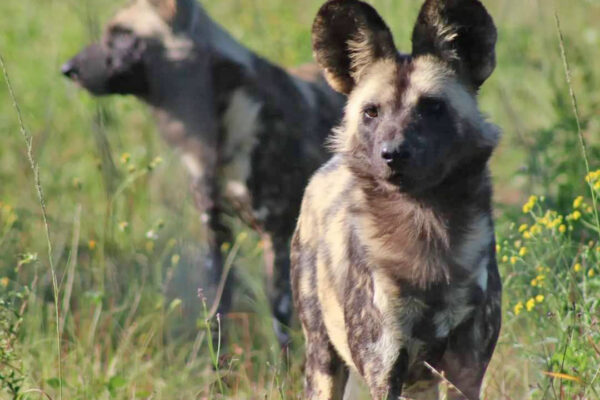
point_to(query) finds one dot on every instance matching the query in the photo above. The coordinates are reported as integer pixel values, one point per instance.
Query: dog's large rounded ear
(349, 36)
(461, 33)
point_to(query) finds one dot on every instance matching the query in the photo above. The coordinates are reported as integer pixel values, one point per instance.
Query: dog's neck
(420, 238)
(182, 94)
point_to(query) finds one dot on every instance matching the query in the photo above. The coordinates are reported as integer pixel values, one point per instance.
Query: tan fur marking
(166, 8)
(371, 87)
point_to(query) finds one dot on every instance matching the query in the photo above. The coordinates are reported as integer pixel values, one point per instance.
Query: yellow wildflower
(518, 244)
(523, 228)
(591, 273)
(498, 248)
(577, 202)
(577, 267)
(589, 210)
(539, 268)
(539, 298)
(125, 158)
(562, 228)
(526, 235)
(504, 259)
(527, 207)
(155, 163)
(538, 281)
(77, 183)
(597, 185)
(513, 260)
(530, 304)
(592, 176)
(518, 307)
(242, 236)
(4, 281)
(574, 216)
(92, 245)
(522, 251)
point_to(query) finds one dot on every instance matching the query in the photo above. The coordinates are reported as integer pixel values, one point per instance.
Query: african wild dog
(250, 133)
(393, 258)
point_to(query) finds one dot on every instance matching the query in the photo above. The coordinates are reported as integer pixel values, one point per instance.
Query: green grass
(130, 321)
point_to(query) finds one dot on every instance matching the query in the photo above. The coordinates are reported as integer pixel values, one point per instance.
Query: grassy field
(124, 239)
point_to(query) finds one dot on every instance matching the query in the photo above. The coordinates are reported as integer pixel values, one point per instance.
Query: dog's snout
(394, 155)
(69, 69)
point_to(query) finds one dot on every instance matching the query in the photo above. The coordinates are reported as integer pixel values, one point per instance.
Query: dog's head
(411, 120)
(139, 35)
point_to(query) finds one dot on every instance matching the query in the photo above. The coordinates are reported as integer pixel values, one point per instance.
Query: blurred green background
(126, 238)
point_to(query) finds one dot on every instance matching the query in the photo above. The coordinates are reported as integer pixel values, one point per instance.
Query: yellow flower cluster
(538, 281)
(578, 202)
(539, 298)
(529, 304)
(4, 281)
(593, 178)
(574, 216)
(550, 220)
(528, 207)
(125, 158)
(7, 214)
(577, 267)
(518, 308)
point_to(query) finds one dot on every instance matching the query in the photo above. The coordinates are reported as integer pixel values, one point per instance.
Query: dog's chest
(409, 316)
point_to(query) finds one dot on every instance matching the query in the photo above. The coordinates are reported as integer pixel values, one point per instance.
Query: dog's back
(249, 132)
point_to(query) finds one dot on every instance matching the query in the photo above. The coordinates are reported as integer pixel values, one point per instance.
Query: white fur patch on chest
(476, 241)
(193, 165)
(456, 310)
(472, 255)
(241, 123)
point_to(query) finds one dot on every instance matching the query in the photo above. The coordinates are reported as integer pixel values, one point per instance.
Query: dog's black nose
(394, 155)
(69, 69)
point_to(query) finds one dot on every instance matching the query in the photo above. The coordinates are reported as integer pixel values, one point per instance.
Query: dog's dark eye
(431, 106)
(371, 111)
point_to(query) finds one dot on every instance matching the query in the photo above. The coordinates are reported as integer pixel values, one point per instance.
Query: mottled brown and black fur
(393, 258)
(249, 132)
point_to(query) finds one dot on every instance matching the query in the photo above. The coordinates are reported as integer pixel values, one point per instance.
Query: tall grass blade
(38, 186)
(582, 142)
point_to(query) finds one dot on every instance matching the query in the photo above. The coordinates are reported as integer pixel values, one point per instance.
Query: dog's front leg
(208, 203)
(326, 374)
(281, 292)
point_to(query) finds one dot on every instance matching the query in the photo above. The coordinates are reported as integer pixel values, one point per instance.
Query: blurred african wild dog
(393, 258)
(249, 132)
